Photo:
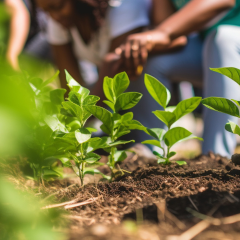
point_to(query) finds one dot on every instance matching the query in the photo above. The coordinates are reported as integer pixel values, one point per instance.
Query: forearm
(193, 17)
(65, 59)
(19, 27)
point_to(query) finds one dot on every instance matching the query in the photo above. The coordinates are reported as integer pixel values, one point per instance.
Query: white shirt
(130, 14)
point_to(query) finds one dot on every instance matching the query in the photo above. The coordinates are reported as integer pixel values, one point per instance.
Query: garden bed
(161, 201)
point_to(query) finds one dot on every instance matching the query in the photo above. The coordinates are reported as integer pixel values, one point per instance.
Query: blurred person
(91, 30)
(19, 28)
(217, 45)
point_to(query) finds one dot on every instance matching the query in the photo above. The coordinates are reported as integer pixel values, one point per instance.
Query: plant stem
(81, 172)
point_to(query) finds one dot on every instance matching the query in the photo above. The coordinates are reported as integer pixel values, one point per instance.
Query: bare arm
(65, 59)
(19, 27)
(193, 17)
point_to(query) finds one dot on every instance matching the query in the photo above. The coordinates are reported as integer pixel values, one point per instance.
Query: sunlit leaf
(120, 83)
(167, 117)
(230, 72)
(110, 104)
(171, 154)
(181, 163)
(51, 79)
(102, 114)
(232, 127)
(108, 89)
(186, 106)
(57, 96)
(82, 135)
(119, 156)
(174, 135)
(157, 90)
(152, 142)
(221, 105)
(127, 100)
(157, 133)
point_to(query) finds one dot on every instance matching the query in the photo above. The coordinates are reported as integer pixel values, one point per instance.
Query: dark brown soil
(160, 201)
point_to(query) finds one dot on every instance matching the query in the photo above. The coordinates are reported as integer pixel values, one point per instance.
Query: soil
(156, 201)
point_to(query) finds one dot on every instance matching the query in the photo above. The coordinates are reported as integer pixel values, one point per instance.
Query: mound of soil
(159, 202)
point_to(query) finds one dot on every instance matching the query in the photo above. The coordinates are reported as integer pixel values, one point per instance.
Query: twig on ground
(193, 203)
(81, 203)
(60, 204)
(70, 204)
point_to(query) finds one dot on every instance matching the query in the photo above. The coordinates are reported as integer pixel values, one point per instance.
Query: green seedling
(114, 124)
(77, 142)
(223, 105)
(168, 115)
(40, 138)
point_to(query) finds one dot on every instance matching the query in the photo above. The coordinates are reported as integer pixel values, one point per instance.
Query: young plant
(39, 140)
(114, 124)
(168, 115)
(228, 106)
(77, 143)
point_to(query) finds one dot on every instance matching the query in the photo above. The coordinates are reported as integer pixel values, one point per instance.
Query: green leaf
(134, 125)
(57, 96)
(73, 125)
(186, 106)
(71, 109)
(170, 108)
(54, 123)
(232, 127)
(127, 117)
(91, 130)
(181, 163)
(110, 104)
(108, 89)
(171, 154)
(120, 83)
(51, 79)
(90, 100)
(92, 157)
(230, 72)
(95, 171)
(119, 142)
(127, 100)
(70, 81)
(105, 129)
(82, 135)
(152, 142)
(237, 102)
(75, 86)
(191, 137)
(49, 161)
(157, 154)
(51, 173)
(167, 117)
(157, 133)
(119, 156)
(103, 115)
(174, 135)
(97, 143)
(162, 161)
(157, 90)
(221, 105)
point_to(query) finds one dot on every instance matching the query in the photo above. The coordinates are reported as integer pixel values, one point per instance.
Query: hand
(137, 47)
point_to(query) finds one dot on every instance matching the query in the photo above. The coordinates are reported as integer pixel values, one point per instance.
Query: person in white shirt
(91, 30)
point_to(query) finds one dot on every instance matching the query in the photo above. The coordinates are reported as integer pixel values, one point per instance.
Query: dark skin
(171, 28)
(63, 11)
